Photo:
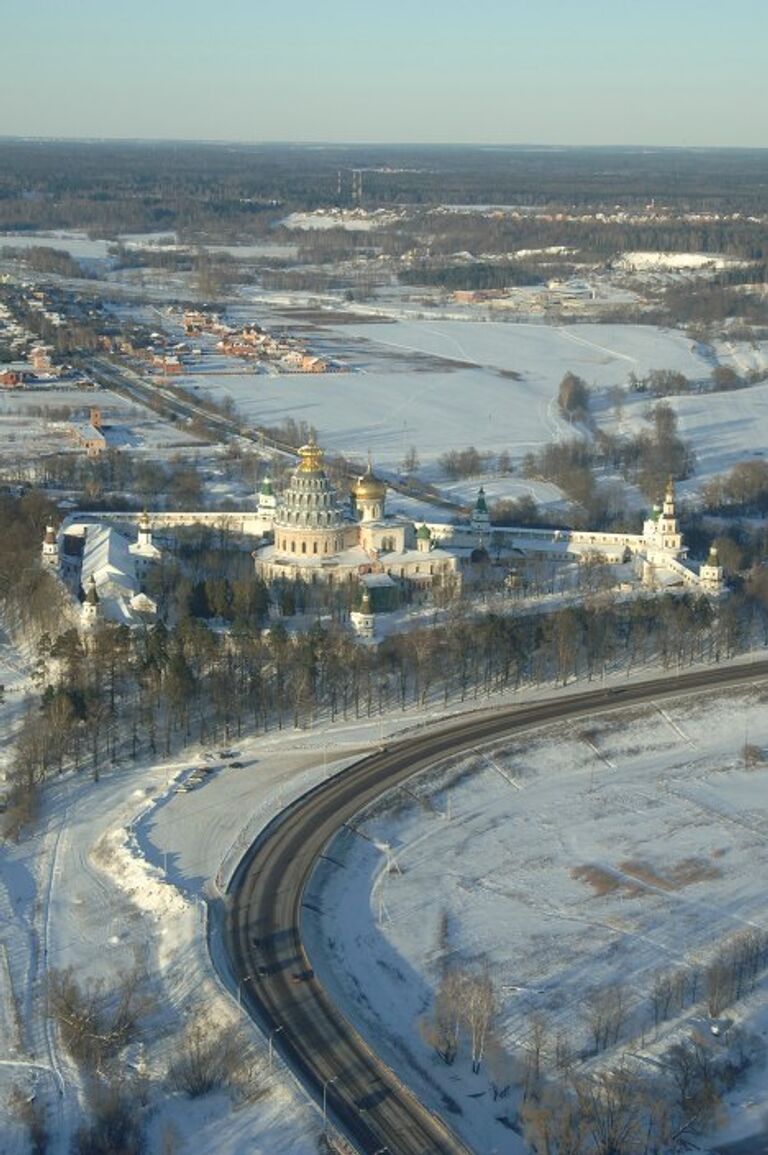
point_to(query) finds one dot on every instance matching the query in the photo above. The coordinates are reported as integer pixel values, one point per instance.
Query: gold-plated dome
(311, 458)
(369, 486)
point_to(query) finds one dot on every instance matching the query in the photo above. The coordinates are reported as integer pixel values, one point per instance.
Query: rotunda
(308, 522)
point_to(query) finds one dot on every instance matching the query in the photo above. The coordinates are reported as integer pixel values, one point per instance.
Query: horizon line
(222, 142)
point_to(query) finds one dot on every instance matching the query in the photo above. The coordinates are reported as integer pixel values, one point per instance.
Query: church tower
(50, 548)
(267, 507)
(363, 620)
(144, 550)
(711, 573)
(480, 522)
(145, 532)
(670, 538)
(662, 531)
(423, 539)
(369, 493)
(90, 611)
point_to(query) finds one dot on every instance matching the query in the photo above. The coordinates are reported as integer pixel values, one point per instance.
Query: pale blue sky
(687, 72)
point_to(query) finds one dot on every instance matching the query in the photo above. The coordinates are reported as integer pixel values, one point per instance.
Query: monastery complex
(309, 534)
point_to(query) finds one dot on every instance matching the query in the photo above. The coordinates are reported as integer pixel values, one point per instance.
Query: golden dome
(311, 458)
(369, 487)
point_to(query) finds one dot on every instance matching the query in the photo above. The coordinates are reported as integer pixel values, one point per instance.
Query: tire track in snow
(63, 1130)
(594, 345)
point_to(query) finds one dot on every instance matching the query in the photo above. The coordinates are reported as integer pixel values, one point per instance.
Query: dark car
(302, 976)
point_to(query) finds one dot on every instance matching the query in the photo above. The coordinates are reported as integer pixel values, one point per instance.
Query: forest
(228, 191)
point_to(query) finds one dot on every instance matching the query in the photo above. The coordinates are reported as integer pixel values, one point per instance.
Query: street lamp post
(326, 1085)
(272, 1034)
(244, 979)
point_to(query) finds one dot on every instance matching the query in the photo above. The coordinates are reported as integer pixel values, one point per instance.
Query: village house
(88, 434)
(15, 375)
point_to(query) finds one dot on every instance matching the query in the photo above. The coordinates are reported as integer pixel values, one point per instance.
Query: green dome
(423, 533)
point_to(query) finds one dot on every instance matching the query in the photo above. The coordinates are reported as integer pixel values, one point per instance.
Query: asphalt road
(267, 959)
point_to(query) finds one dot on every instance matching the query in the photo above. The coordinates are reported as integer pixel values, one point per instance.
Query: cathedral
(316, 537)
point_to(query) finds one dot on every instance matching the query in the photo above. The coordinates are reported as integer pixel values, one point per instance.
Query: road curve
(262, 933)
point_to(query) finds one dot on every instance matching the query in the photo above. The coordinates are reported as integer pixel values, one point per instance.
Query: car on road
(236, 765)
(302, 976)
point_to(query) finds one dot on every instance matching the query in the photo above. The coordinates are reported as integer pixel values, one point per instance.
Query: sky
(569, 72)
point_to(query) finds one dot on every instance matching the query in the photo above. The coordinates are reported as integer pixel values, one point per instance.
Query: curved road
(263, 939)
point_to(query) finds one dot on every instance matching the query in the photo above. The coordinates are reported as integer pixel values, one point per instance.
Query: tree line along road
(268, 963)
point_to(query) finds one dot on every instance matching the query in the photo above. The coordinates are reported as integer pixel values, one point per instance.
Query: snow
(355, 220)
(27, 433)
(724, 428)
(504, 841)
(78, 245)
(433, 405)
(123, 869)
(641, 261)
(441, 384)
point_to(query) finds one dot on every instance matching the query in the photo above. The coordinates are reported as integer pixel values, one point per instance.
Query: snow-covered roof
(107, 556)
(109, 559)
(87, 432)
(377, 581)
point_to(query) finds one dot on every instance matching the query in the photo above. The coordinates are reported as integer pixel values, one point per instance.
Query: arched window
(303, 547)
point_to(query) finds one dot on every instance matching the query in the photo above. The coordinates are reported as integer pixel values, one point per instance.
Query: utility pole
(272, 1034)
(326, 1085)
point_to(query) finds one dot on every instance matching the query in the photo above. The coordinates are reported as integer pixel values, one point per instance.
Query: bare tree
(97, 1022)
(411, 460)
(607, 1015)
(719, 986)
(612, 1108)
(661, 998)
(211, 1055)
(536, 1042)
(692, 1069)
(553, 1124)
(114, 1123)
(442, 1029)
(478, 1011)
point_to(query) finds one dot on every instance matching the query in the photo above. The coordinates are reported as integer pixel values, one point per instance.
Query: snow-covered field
(27, 429)
(355, 220)
(572, 857)
(659, 260)
(441, 385)
(78, 245)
